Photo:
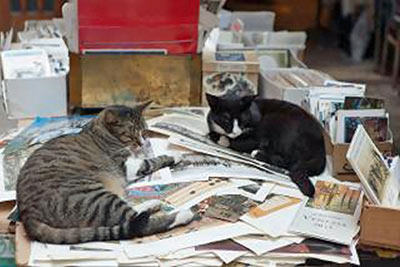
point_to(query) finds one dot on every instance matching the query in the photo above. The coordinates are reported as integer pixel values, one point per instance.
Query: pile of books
(246, 211)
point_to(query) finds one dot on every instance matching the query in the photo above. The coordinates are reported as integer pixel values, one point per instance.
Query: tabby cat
(273, 131)
(71, 189)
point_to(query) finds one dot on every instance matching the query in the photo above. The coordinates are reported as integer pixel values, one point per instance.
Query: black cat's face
(229, 116)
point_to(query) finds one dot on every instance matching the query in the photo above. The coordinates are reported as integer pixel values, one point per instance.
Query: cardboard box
(29, 98)
(380, 226)
(270, 88)
(5, 208)
(22, 246)
(221, 68)
(341, 168)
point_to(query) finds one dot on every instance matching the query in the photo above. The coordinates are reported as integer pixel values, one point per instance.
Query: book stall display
(56, 75)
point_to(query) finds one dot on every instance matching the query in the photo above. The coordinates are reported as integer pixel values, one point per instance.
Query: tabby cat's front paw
(150, 206)
(182, 217)
(224, 141)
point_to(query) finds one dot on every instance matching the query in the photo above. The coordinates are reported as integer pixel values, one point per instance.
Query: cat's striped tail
(42, 232)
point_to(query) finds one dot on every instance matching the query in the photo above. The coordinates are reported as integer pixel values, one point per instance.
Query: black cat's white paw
(254, 153)
(224, 141)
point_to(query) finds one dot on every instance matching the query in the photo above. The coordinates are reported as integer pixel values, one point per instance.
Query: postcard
(353, 102)
(361, 113)
(346, 85)
(225, 207)
(331, 215)
(377, 127)
(381, 187)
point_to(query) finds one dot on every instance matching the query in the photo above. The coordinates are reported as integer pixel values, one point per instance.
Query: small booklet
(380, 186)
(331, 215)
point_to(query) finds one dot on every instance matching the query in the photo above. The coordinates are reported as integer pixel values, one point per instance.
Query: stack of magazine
(246, 211)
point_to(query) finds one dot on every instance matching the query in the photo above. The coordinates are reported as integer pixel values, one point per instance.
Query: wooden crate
(101, 80)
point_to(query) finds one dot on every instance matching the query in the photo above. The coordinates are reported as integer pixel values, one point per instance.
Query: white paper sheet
(264, 244)
(276, 223)
(206, 236)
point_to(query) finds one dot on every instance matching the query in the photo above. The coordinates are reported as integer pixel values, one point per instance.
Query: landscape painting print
(377, 175)
(334, 197)
(380, 185)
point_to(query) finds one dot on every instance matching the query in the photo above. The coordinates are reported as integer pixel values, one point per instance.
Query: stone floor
(323, 54)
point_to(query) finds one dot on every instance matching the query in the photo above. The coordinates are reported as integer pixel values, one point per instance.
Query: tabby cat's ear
(109, 117)
(212, 100)
(143, 106)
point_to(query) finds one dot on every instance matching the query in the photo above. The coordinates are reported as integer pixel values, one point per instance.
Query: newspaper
(17, 151)
(380, 185)
(332, 214)
(192, 133)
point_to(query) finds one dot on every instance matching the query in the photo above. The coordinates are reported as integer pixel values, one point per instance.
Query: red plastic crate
(139, 24)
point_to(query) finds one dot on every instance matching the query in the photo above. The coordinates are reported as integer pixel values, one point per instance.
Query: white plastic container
(32, 97)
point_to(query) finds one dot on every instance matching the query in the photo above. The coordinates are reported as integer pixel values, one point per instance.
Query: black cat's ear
(246, 100)
(143, 106)
(212, 100)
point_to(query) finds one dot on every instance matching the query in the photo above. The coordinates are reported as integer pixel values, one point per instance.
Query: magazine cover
(332, 214)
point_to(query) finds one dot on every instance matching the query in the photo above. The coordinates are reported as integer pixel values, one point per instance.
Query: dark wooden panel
(120, 79)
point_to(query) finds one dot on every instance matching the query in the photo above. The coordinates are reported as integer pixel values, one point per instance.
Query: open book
(380, 186)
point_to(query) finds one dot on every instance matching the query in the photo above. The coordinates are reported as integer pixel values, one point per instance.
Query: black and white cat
(273, 131)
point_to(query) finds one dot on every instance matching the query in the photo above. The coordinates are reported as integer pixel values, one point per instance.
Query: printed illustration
(334, 197)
